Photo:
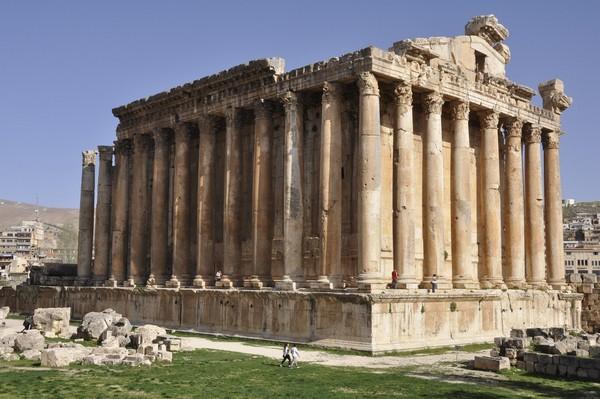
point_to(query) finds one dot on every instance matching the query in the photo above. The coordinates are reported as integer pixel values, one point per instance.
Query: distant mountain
(12, 213)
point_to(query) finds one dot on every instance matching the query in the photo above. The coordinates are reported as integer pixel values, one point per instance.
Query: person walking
(433, 283)
(295, 355)
(286, 355)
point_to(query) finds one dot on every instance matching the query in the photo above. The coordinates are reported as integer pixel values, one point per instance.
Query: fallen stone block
(173, 344)
(9, 357)
(95, 323)
(510, 353)
(489, 363)
(165, 356)
(8, 341)
(121, 327)
(518, 333)
(557, 333)
(541, 340)
(494, 352)
(545, 348)
(31, 354)
(52, 321)
(62, 357)
(537, 332)
(517, 343)
(149, 333)
(93, 360)
(30, 339)
(560, 348)
(579, 353)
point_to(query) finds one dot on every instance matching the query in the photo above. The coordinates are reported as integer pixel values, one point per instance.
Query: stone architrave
(370, 275)
(463, 275)
(159, 231)
(330, 186)
(293, 206)
(433, 193)
(262, 196)
(403, 195)
(120, 230)
(86, 217)
(553, 211)
(181, 207)
(102, 237)
(492, 220)
(140, 202)
(206, 191)
(232, 245)
(515, 245)
(535, 271)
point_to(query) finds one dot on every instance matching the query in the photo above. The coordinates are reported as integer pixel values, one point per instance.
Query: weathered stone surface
(518, 333)
(31, 339)
(560, 348)
(52, 321)
(62, 357)
(595, 351)
(8, 341)
(121, 327)
(148, 333)
(9, 357)
(95, 323)
(491, 363)
(4, 311)
(31, 354)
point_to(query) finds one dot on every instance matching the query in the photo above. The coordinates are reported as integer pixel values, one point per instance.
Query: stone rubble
(52, 321)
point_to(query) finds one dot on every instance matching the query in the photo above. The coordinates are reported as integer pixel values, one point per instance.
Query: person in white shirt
(218, 275)
(286, 355)
(295, 356)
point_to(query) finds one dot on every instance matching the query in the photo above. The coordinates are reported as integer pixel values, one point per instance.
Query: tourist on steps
(218, 275)
(286, 355)
(433, 283)
(394, 283)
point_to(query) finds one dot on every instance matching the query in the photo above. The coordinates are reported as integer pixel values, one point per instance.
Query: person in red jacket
(394, 283)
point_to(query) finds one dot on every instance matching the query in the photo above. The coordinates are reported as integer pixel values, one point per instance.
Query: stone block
(9, 357)
(560, 348)
(520, 364)
(518, 333)
(569, 361)
(530, 367)
(499, 341)
(571, 371)
(52, 321)
(545, 348)
(530, 357)
(551, 369)
(510, 353)
(541, 340)
(535, 332)
(540, 368)
(494, 352)
(165, 356)
(545, 358)
(562, 370)
(94, 324)
(574, 278)
(557, 333)
(62, 357)
(589, 278)
(582, 373)
(583, 344)
(517, 343)
(594, 351)
(149, 332)
(173, 344)
(31, 354)
(30, 339)
(579, 353)
(589, 363)
(594, 374)
(93, 360)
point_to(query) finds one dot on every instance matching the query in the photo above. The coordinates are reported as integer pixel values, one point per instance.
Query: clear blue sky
(65, 64)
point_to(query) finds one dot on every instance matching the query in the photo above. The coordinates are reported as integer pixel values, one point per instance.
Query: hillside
(581, 207)
(12, 213)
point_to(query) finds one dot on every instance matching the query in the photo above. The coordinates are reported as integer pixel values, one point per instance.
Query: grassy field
(217, 374)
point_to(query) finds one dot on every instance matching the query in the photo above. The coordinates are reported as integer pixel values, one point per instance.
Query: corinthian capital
(331, 91)
(433, 102)
(88, 158)
(551, 140)
(367, 84)
(514, 127)
(289, 100)
(489, 119)
(403, 96)
(459, 111)
(533, 133)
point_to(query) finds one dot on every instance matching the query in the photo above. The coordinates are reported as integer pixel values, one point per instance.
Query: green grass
(217, 374)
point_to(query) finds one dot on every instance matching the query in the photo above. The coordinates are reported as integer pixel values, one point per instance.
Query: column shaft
(261, 196)
(159, 245)
(120, 224)
(433, 193)
(86, 217)
(534, 201)
(492, 232)
(103, 216)
(206, 192)
(293, 206)
(553, 211)
(403, 191)
(138, 247)
(330, 186)
(181, 207)
(369, 184)
(232, 245)
(463, 275)
(515, 246)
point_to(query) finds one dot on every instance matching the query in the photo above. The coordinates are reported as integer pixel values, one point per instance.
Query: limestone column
(181, 206)
(232, 244)
(330, 186)
(138, 247)
(159, 231)
(491, 212)
(535, 272)
(103, 216)
(206, 193)
(369, 184)
(553, 211)
(86, 218)
(403, 191)
(515, 247)
(433, 193)
(463, 275)
(261, 196)
(120, 224)
(293, 207)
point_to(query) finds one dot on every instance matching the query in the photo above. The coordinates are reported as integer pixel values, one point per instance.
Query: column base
(516, 284)
(224, 282)
(285, 285)
(492, 284)
(557, 285)
(111, 282)
(199, 282)
(151, 282)
(322, 283)
(82, 281)
(537, 285)
(408, 283)
(173, 283)
(371, 286)
(129, 283)
(465, 284)
(253, 282)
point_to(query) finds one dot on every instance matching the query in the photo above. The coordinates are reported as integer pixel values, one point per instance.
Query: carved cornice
(532, 134)
(88, 158)
(514, 128)
(367, 84)
(433, 102)
(489, 119)
(262, 109)
(551, 140)
(459, 111)
(331, 91)
(403, 96)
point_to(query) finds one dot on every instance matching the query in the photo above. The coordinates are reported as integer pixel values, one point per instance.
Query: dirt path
(313, 356)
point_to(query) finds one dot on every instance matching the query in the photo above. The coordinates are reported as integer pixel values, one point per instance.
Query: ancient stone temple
(308, 188)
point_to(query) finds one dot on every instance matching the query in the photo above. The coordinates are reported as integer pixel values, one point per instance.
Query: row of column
(529, 247)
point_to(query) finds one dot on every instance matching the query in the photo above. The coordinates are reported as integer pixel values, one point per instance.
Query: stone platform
(387, 321)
